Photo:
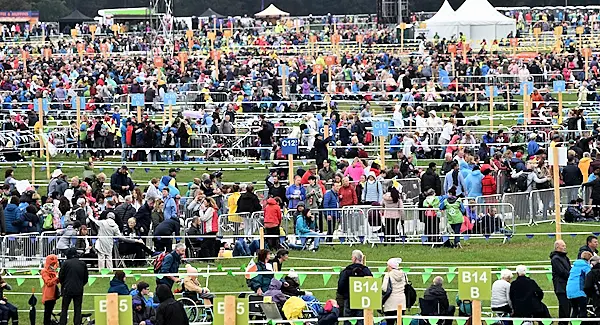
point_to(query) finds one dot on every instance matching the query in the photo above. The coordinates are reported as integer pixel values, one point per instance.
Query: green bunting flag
(301, 278)
(576, 322)
(91, 280)
(451, 274)
(353, 321)
(426, 274)
(326, 277)
(406, 269)
(272, 322)
(137, 277)
(377, 275)
(547, 321)
(12, 271)
(337, 269)
(298, 322)
(461, 321)
(41, 283)
(406, 321)
(517, 322)
(230, 272)
(377, 320)
(219, 268)
(104, 271)
(243, 267)
(498, 276)
(491, 321)
(549, 273)
(20, 281)
(433, 320)
(381, 269)
(160, 276)
(279, 275)
(128, 272)
(35, 271)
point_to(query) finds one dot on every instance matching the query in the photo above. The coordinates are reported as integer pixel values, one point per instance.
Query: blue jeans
(314, 235)
(265, 153)
(456, 230)
(124, 152)
(243, 249)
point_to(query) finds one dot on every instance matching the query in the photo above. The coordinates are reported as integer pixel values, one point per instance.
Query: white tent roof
(480, 11)
(271, 11)
(445, 14)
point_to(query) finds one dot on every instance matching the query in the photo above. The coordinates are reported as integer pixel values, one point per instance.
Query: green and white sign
(241, 311)
(125, 310)
(365, 293)
(475, 283)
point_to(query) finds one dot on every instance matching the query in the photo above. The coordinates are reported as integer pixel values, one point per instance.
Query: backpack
(410, 294)
(368, 138)
(522, 182)
(158, 261)
(48, 222)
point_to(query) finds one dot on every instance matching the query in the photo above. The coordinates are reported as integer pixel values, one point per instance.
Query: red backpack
(368, 137)
(158, 262)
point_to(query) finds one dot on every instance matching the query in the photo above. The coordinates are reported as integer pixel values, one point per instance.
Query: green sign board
(475, 283)
(241, 311)
(125, 310)
(365, 293)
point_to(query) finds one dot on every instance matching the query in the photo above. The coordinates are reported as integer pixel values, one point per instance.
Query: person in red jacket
(488, 183)
(347, 193)
(311, 171)
(273, 218)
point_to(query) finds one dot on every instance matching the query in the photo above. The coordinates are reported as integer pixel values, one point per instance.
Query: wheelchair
(195, 308)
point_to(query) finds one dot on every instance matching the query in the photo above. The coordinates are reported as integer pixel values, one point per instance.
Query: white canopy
(271, 11)
(476, 19)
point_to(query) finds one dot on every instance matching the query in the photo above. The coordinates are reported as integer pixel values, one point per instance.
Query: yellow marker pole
(525, 105)
(560, 108)
(476, 312)
(139, 114)
(78, 113)
(41, 130)
(32, 171)
(283, 82)
(492, 108)
(328, 101)
(112, 309)
(399, 314)
(261, 233)
(170, 113)
(382, 151)
(556, 181)
(290, 169)
(402, 27)
(230, 310)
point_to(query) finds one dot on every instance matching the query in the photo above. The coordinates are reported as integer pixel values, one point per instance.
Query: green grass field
(418, 260)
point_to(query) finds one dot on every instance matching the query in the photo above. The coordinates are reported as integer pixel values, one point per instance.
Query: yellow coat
(232, 205)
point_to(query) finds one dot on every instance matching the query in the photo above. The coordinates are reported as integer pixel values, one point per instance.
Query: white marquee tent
(271, 12)
(476, 19)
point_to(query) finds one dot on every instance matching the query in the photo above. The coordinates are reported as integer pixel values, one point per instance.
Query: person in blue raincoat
(575, 283)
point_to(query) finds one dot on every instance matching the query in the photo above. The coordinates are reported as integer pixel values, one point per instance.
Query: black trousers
(48, 308)
(391, 232)
(564, 307)
(161, 245)
(272, 242)
(391, 321)
(77, 300)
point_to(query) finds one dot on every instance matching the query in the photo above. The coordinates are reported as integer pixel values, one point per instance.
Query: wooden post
(368, 316)
(41, 117)
(328, 102)
(78, 112)
(283, 79)
(587, 64)
(525, 105)
(329, 80)
(556, 181)
(399, 315)
(560, 108)
(319, 82)
(261, 232)
(476, 312)
(32, 171)
(139, 114)
(290, 169)
(382, 151)
(492, 108)
(112, 309)
(402, 27)
(230, 312)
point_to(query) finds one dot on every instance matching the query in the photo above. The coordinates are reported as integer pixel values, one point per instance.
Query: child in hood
(142, 314)
(50, 291)
(331, 313)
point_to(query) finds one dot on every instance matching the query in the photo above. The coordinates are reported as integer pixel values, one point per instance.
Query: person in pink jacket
(355, 170)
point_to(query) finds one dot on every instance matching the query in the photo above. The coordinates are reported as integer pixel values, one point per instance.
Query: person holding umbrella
(50, 291)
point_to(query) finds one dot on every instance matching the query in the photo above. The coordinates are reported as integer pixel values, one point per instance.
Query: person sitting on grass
(141, 290)
(7, 310)
(142, 314)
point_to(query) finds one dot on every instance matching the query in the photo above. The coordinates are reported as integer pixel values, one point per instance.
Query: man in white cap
(58, 185)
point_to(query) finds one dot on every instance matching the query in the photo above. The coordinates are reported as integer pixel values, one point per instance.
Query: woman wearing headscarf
(394, 280)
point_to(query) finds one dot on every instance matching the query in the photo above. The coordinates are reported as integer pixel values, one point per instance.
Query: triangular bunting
(91, 280)
(377, 275)
(20, 281)
(381, 269)
(517, 321)
(337, 269)
(326, 277)
(406, 321)
(576, 322)
(137, 277)
(461, 321)
(127, 272)
(433, 320)
(219, 268)
(547, 321)
(451, 274)
(301, 278)
(298, 322)
(104, 271)
(35, 271)
(377, 320)
(426, 274)
(549, 273)
(353, 321)
(41, 282)
(230, 272)
(278, 275)
(406, 269)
